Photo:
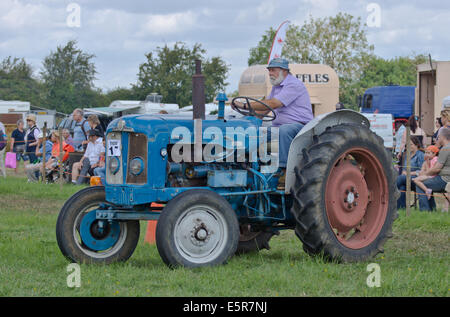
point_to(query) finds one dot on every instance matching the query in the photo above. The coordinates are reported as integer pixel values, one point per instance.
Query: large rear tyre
(197, 228)
(84, 239)
(345, 195)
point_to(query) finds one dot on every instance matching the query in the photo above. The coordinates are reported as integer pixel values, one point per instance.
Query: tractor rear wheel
(345, 194)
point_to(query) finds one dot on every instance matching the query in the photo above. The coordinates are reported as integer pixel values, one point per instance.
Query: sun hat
(279, 62)
(31, 117)
(432, 148)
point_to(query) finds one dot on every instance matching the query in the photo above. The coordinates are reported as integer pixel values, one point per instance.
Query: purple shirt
(295, 99)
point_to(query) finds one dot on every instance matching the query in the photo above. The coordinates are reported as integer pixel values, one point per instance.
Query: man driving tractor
(290, 101)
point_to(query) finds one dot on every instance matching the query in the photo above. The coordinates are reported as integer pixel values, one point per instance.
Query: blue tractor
(219, 198)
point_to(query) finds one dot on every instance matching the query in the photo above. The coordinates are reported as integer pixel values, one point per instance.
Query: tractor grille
(114, 177)
(137, 149)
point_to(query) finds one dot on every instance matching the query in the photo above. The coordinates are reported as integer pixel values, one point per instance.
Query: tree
(400, 71)
(397, 71)
(339, 42)
(168, 71)
(18, 83)
(68, 75)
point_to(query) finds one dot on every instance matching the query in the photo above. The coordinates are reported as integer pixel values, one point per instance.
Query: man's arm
(273, 103)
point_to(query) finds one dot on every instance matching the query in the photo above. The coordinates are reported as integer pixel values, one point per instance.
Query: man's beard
(278, 80)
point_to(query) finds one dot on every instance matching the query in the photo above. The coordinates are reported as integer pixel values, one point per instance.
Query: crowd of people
(429, 165)
(83, 153)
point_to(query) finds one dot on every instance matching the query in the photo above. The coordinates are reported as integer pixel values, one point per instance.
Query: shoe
(282, 180)
(429, 192)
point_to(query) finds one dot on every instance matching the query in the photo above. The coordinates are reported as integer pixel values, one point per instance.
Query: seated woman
(417, 159)
(67, 148)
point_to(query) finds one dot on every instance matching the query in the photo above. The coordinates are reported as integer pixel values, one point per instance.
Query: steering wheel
(249, 111)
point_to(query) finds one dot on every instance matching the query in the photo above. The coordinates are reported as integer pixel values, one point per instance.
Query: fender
(316, 127)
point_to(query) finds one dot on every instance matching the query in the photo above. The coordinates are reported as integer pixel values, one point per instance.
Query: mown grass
(415, 262)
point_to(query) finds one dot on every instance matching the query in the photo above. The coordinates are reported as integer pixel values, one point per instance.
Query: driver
(292, 106)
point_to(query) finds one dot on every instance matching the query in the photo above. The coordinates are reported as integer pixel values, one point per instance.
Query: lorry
(395, 100)
(211, 184)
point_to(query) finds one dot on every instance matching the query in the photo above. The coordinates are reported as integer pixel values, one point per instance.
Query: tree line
(341, 42)
(66, 79)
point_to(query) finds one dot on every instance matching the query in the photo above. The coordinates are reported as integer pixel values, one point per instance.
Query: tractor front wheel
(84, 239)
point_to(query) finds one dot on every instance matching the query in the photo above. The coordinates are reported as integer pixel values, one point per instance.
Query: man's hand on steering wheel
(246, 109)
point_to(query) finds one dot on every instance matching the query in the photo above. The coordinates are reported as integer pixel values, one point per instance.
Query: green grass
(415, 262)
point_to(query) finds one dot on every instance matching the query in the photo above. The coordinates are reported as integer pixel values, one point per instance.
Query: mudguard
(316, 127)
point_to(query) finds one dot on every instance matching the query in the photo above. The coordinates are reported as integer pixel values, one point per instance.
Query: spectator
(438, 124)
(441, 168)
(67, 138)
(431, 158)
(2, 151)
(31, 138)
(399, 130)
(80, 131)
(94, 123)
(101, 169)
(90, 159)
(413, 123)
(18, 143)
(80, 137)
(33, 170)
(340, 106)
(417, 159)
(445, 119)
(55, 158)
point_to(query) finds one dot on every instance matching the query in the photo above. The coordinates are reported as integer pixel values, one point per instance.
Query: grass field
(415, 262)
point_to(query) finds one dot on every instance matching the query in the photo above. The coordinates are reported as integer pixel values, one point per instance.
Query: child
(431, 157)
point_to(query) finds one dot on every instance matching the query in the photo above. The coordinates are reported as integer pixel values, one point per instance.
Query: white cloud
(120, 32)
(266, 9)
(162, 24)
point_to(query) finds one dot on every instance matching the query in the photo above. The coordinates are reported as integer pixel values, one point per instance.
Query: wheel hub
(347, 197)
(98, 235)
(356, 197)
(199, 234)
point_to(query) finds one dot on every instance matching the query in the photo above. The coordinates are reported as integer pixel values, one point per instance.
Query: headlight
(136, 166)
(114, 164)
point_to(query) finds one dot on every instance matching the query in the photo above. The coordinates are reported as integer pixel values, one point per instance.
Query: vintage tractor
(220, 197)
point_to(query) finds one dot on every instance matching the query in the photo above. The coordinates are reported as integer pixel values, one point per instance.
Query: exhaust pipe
(198, 92)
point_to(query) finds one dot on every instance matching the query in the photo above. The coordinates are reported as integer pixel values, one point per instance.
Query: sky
(119, 33)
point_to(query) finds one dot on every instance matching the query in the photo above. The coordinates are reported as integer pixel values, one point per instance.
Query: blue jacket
(416, 161)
